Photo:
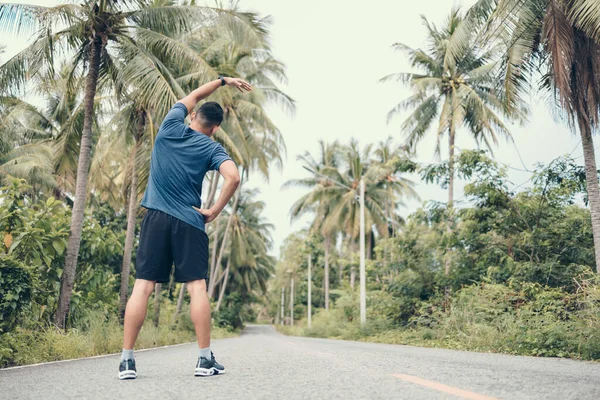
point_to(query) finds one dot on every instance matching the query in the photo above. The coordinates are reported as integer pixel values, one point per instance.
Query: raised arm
(207, 89)
(232, 180)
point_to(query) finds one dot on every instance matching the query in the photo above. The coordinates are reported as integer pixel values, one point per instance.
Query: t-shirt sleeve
(218, 157)
(174, 120)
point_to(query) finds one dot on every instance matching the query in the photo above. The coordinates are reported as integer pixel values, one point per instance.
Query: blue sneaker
(127, 370)
(206, 367)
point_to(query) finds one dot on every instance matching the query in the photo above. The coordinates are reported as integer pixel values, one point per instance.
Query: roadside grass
(95, 334)
(536, 321)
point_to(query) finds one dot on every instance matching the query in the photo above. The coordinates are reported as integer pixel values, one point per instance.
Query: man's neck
(200, 129)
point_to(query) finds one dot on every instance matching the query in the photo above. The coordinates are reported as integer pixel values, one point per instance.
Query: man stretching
(173, 229)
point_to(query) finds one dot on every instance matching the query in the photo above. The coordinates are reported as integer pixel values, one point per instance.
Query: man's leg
(200, 315)
(135, 313)
(200, 311)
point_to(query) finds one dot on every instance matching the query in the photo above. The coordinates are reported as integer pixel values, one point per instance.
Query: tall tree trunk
(180, 300)
(224, 285)
(213, 189)
(352, 268)
(451, 138)
(292, 302)
(83, 168)
(156, 317)
(282, 304)
(131, 217)
(213, 255)
(591, 176)
(215, 268)
(370, 244)
(327, 244)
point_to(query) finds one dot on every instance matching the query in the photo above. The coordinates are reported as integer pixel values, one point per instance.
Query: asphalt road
(262, 364)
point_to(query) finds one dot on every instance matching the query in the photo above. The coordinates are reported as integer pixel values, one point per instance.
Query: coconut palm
(94, 35)
(389, 162)
(137, 121)
(321, 199)
(249, 266)
(345, 215)
(25, 144)
(454, 86)
(334, 199)
(563, 37)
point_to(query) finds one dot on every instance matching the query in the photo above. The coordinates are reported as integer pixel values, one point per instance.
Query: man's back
(180, 159)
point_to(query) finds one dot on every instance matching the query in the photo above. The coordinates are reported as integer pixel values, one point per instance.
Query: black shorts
(165, 240)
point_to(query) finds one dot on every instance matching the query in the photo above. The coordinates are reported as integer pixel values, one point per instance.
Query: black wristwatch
(223, 83)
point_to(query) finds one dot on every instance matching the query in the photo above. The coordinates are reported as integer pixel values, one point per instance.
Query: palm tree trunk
(327, 244)
(83, 168)
(292, 302)
(156, 317)
(451, 138)
(224, 285)
(213, 189)
(131, 217)
(591, 176)
(213, 256)
(180, 300)
(352, 268)
(215, 268)
(282, 304)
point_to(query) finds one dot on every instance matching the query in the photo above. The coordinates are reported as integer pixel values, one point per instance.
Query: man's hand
(241, 85)
(208, 213)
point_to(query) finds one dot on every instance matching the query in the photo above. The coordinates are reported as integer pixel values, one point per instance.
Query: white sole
(127, 375)
(208, 372)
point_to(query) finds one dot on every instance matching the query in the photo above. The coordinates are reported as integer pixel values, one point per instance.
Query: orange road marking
(440, 387)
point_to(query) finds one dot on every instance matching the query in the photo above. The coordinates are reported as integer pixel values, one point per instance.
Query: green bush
(15, 292)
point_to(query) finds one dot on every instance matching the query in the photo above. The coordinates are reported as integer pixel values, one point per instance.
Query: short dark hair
(211, 114)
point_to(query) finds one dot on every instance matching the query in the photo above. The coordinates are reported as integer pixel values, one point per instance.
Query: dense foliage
(521, 279)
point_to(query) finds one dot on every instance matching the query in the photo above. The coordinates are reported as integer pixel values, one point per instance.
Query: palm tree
(249, 266)
(25, 144)
(136, 120)
(346, 213)
(563, 37)
(321, 199)
(389, 162)
(454, 85)
(333, 197)
(85, 30)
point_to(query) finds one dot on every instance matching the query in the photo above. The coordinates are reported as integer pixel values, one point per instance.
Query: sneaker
(127, 370)
(206, 367)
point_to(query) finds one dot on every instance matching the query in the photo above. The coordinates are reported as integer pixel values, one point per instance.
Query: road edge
(93, 357)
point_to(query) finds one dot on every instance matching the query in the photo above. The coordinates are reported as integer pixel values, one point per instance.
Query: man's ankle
(127, 355)
(205, 353)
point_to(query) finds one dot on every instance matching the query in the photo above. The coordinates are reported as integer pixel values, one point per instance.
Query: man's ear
(215, 129)
(193, 115)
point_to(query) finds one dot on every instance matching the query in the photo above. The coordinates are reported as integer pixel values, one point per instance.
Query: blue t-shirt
(180, 159)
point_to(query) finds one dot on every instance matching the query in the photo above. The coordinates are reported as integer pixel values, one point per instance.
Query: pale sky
(335, 52)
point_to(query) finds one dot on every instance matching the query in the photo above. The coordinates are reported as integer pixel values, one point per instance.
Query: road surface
(262, 364)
